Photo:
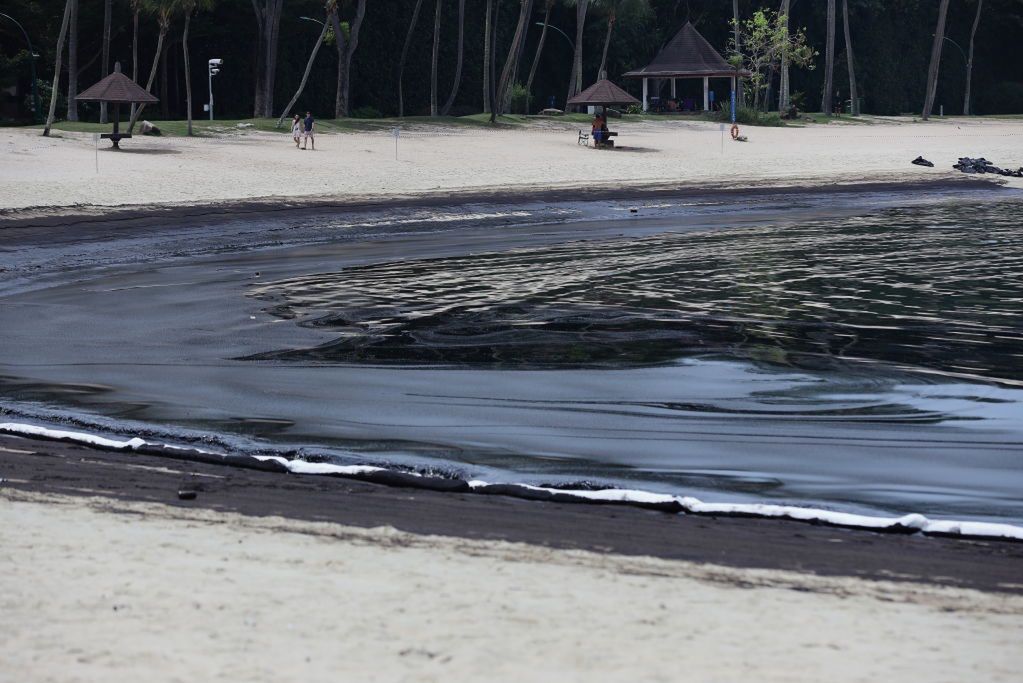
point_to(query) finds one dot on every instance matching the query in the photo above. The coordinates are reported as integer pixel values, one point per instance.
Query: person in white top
(296, 129)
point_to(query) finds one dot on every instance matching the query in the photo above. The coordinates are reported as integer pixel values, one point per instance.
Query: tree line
(444, 57)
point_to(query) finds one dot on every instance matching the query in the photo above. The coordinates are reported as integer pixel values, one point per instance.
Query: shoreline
(151, 215)
(56, 468)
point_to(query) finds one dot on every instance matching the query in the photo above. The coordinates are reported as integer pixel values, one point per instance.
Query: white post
(672, 88)
(644, 94)
(706, 93)
(210, 71)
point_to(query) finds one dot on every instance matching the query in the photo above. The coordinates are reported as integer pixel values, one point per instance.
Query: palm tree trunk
(488, 30)
(341, 45)
(72, 64)
(458, 64)
(539, 50)
(105, 68)
(55, 90)
(508, 72)
(273, 30)
(829, 62)
(345, 51)
(305, 76)
(188, 75)
(404, 55)
(783, 75)
(492, 67)
(164, 27)
(576, 82)
(969, 61)
(932, 71)
(854, 103)
(602, 71)
(259, 73)
(433, 66)
(136, 10)
(738, 51)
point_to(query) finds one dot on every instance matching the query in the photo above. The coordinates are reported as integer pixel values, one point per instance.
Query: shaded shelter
(603, 93)
(116, 89)
(687, 55)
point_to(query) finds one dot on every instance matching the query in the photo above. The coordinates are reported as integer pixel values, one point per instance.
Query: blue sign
(733, 106)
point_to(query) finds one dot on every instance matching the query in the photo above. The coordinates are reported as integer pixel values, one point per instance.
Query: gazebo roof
(603, 92)
(116, 88)
(687, 54)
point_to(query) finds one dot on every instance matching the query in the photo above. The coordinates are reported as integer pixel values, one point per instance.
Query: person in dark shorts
(307, 131)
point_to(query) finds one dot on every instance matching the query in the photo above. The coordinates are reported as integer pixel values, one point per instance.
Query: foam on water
(905, 524)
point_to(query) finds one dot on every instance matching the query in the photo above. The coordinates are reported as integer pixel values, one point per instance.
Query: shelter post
(706, 93)
(645, 107)
(672, 88)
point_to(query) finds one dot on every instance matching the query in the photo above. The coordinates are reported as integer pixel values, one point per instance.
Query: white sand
(162, 594)
(62, 171)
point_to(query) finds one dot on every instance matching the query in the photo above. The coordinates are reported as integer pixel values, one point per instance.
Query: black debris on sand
(920, 161)
(982, 165)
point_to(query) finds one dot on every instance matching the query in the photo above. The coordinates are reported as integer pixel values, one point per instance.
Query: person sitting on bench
(597, 129)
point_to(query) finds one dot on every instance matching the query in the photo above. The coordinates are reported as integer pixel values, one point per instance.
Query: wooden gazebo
(687, 55)
(116, 89)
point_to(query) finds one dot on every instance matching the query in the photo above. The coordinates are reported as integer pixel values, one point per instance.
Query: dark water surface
(863, 355)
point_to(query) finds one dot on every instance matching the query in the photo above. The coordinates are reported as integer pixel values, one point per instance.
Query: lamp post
(32, 56)
(552, 26)
(214, 65)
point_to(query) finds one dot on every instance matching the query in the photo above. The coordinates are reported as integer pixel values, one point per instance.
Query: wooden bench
(584, 139)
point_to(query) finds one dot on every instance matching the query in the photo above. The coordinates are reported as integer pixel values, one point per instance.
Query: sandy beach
(258, 577)
(73, 170)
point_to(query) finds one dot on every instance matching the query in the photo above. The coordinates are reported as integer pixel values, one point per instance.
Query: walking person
(296, 129)
(307, 135)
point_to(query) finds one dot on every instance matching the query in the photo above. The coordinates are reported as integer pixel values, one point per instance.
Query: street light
(215, 65)
(540, 23)
(32, 57)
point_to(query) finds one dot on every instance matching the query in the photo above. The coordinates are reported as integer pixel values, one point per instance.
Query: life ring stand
(735, 131)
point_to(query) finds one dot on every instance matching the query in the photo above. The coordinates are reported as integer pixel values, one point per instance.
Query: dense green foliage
(892, 40)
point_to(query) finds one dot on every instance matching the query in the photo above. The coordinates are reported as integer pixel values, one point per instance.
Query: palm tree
(105, 67)
(404, 55)
(619, 11)
(510, 63)
(783, 74)
(268, 24)
(72, 64)
(490, 69)
(827, 96)
(488, 52)
(56, 67)
(458, 65)
(738, 52)
(433, 65)
(331, 7)
(854, 104)
(969, 61)
(575, 82)
(163, 9)
(932, 71)
(188, 7)
(345, 50)
(136, 11)
(539, 49)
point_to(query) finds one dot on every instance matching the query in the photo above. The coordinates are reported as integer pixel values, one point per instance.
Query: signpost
(733, 106)
(396, 133)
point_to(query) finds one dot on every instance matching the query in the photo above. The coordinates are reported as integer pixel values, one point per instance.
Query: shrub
(366, 113)
(751, 117)
(518, 99)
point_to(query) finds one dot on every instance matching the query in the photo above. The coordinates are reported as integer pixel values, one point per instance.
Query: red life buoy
(735, 131)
